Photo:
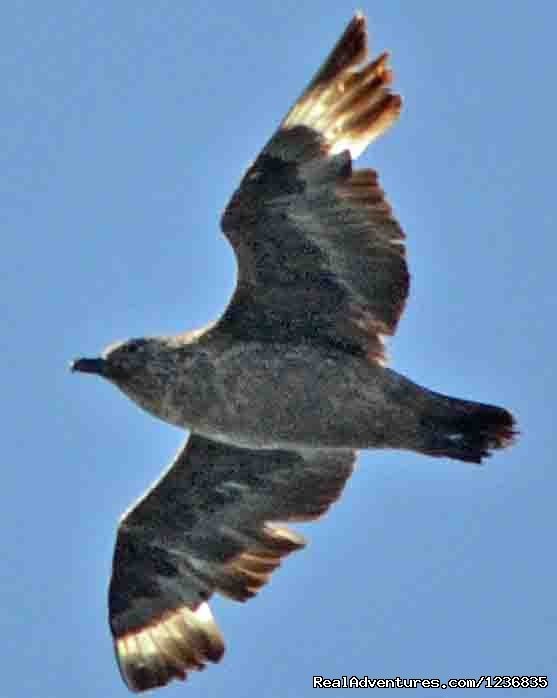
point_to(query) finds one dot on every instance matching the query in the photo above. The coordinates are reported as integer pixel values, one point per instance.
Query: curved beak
(97, 366)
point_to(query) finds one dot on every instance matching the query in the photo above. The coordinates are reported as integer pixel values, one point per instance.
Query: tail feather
(469, 431)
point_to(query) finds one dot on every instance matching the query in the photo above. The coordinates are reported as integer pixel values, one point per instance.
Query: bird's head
(121, 361)
(138, 367)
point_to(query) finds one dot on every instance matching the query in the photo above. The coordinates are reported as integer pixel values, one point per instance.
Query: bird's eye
(132, 348)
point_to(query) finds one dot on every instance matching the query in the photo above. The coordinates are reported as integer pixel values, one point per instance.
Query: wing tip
(168, 648)
(350, 49)
(349, 102)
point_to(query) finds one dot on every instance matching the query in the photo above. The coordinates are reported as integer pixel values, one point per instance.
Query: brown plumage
(282, 390)
(206, 526)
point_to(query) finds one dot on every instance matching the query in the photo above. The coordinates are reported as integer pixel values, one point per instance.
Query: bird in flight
(281, 391)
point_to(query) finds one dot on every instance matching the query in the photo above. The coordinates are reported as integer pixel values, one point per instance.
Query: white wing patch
(169, 647)
(351, 109)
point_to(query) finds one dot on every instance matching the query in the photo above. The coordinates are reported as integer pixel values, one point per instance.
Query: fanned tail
(468, 431)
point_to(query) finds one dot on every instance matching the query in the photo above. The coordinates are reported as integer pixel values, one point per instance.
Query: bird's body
(281, 391)
(273, 395)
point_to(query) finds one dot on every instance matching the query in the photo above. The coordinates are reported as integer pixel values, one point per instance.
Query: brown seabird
(282, 390)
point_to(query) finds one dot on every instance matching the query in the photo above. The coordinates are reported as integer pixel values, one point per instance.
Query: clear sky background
(125, 128)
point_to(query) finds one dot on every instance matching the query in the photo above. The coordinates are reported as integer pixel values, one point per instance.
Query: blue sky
(125, 128)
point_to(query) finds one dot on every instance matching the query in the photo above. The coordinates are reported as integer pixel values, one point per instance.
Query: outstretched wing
(320, 256)
(209, 524)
